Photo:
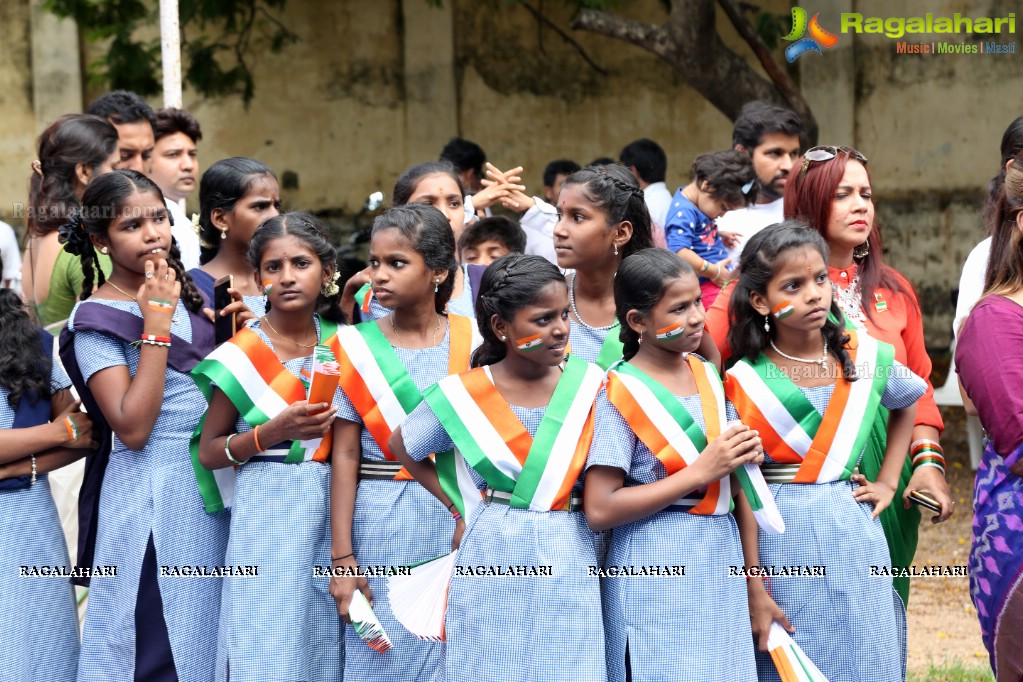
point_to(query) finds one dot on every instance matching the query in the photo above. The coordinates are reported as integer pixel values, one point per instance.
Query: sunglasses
(825, 153)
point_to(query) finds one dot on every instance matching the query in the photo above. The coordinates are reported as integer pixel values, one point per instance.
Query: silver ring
(166, 277)
(149, 275)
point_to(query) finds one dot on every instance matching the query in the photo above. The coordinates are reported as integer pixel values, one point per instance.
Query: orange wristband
(255, 437)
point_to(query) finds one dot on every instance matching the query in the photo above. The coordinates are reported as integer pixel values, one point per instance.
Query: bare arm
(762, 608)
(20, 443)
(881, 491)
(343, 485)
(424, 472)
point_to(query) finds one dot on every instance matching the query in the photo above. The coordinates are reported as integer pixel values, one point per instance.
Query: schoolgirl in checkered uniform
(38, 414)
(131, 344)
(281, 624)
(526, 628)
(801, 368)
(671, 509)
(379, 515)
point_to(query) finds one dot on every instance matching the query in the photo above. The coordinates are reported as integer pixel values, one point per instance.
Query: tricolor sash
(826, 447)
(610, 351)
(377, 383)
(663, 425)
(539, 472)
(260, 387)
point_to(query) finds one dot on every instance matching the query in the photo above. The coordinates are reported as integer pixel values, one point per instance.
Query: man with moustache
(175, 170)
(135, 123)
(770, 135)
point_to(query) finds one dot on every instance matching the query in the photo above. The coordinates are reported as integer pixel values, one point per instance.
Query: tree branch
(541, 18)
(775, 71)
(647, 36)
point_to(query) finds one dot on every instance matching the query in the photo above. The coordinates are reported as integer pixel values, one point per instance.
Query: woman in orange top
(832, 194)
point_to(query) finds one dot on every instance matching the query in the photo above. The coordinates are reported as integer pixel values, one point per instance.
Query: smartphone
(224, 327)
(924, 500)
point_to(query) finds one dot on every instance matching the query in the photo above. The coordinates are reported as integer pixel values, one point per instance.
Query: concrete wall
(372, 88)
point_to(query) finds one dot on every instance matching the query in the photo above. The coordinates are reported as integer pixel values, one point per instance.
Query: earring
(767, 324)
(861, 251)
(436, 285)
(223, 233)
(616, 248)
(504, 338)
(105, 250)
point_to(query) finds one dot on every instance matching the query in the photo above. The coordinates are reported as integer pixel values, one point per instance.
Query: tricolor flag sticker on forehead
(529, 343)
(670, 332)
(783, 309)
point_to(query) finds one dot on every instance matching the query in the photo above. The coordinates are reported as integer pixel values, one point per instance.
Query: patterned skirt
(996, 561)
(539, 627)
(396, 523)
(138, 500)
(281, 624)
(677, 627)
(850, 621)
(38, 618)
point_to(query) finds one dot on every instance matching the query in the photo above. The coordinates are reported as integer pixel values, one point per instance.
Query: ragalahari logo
(817, 39)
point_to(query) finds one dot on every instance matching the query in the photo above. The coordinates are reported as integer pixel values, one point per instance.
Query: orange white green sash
(539, 471)
(610, 350)
(663, 425)
(249, 373)
(827, 447)
(376, 381)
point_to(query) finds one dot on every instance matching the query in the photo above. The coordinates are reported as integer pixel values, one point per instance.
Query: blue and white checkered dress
(518, 628)
(851, 625)
(694, 627)
(151, 492)
(283, 624)
(464, 305)
(396, 523)
(38, 619)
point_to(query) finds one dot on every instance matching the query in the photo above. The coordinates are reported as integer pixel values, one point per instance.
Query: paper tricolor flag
(419, 600)
(366, 623)
(528, 343)
(783, 310)
(670, 332)
(792, 663)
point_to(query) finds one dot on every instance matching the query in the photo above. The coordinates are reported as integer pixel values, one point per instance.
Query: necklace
(401, 344)
(849, 302)
(823, 362)
(575, 311)
(122, 291)
(303, 345)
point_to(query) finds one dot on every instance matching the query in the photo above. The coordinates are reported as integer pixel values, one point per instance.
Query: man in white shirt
(175, 170)
(770, 135)
(648, 163)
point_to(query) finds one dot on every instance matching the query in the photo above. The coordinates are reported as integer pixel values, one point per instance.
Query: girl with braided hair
(602, 219)
(128, 347)
(379, 515)
(522, 420)
(659, 474)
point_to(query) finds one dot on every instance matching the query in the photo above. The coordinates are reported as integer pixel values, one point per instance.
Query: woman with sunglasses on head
(832, 193)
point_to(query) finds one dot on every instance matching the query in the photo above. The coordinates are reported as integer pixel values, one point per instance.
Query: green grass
(954, 671)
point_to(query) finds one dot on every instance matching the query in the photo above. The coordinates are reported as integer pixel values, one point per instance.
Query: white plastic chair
(949, 395)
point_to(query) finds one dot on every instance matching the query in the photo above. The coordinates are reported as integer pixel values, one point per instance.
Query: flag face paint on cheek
(528, 343)
(670, 332)
(267, 286)
(783, 310)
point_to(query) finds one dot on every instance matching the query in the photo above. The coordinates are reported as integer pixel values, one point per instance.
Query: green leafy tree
(217, 37)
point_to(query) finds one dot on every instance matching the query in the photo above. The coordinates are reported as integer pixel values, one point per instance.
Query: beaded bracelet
(227, 451)
(927, 453)
(153, 340)
(33, 481)
(72, 428)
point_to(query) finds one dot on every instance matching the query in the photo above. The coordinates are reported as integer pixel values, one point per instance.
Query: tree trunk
(690, 43)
